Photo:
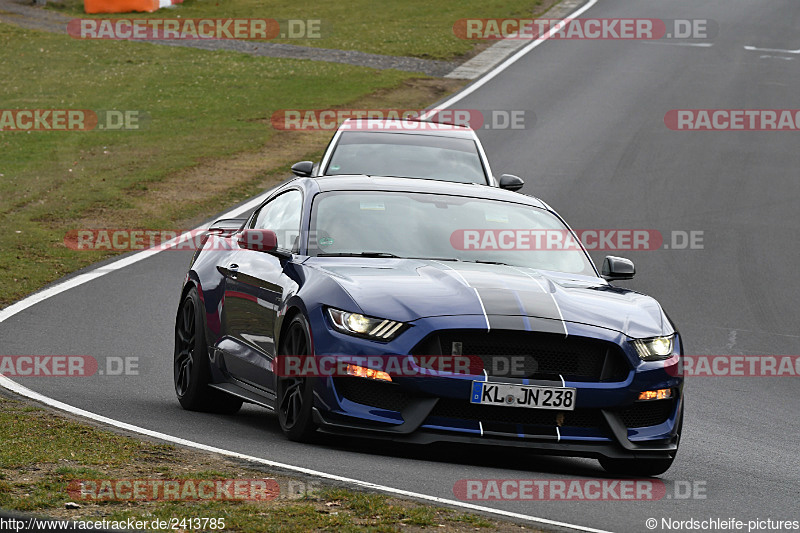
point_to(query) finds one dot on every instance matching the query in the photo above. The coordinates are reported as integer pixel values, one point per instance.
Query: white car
(407, 149)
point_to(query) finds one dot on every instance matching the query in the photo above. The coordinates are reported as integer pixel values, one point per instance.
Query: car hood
(408, 289)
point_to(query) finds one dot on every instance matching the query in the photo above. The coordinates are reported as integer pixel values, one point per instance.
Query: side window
(282, 215)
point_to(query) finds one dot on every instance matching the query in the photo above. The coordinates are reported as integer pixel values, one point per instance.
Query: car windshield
(407, 156)
(443, 227)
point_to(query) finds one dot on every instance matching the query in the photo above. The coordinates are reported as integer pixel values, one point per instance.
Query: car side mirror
(615, 268)
(258, 240)
(511, 182)
(303, 169)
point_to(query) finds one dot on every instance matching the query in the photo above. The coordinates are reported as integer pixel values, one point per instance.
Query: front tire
(191, 369)
(296, 394)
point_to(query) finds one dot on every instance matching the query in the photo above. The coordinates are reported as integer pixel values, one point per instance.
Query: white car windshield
(407, 156)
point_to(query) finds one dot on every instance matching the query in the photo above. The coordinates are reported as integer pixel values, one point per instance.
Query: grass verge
(418, 28)
(207, 143)
(42, 452)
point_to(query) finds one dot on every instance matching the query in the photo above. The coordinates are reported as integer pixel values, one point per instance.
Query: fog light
(660, 394)
(371, 373)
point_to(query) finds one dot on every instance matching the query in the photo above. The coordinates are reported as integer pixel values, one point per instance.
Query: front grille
(643, 414)
(525, 354)
(461, 409)
(373, 393)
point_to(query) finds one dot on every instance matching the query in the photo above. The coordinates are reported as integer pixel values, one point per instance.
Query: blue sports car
(348, 304)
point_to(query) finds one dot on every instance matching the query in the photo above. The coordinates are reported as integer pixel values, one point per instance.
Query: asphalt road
(599, 153)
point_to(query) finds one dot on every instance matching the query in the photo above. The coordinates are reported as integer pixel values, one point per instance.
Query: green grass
(419, 28)
(42, 452)
(200, 105)
(203, 110)
(33, 436)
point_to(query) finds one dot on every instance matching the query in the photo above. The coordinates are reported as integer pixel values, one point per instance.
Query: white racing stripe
(477, 295)
(81, 279)
(555, 302)
(24, 391)
(480, 301)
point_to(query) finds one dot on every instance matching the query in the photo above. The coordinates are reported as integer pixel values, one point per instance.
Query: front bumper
(607, 420)
(618, 448)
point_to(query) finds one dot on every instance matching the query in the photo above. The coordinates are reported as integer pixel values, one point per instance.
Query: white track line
(775, 50)
(23, 391)
(678, 43)
(489, 76)
(80, 279)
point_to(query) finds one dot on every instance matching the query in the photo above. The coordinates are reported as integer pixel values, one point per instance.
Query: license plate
(534, 397)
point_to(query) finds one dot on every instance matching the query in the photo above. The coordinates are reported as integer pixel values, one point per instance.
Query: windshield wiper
(393, 256)
(357, 254)
(484, 262)
(383, 254)
(434, 258)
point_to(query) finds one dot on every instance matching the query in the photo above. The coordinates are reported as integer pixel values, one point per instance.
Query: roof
(382, 183)
(436, 129)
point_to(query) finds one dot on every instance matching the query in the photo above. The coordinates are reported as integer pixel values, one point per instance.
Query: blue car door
(255, 286)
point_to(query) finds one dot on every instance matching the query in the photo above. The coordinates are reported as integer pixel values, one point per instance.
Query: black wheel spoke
(187, 371)
(294, 392)
(297, 404)
(185, 333)
(291, 400)
(187, 311)
(183, 374)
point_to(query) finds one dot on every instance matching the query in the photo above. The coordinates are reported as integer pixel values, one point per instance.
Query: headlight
(364, 326)
(654, 349)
